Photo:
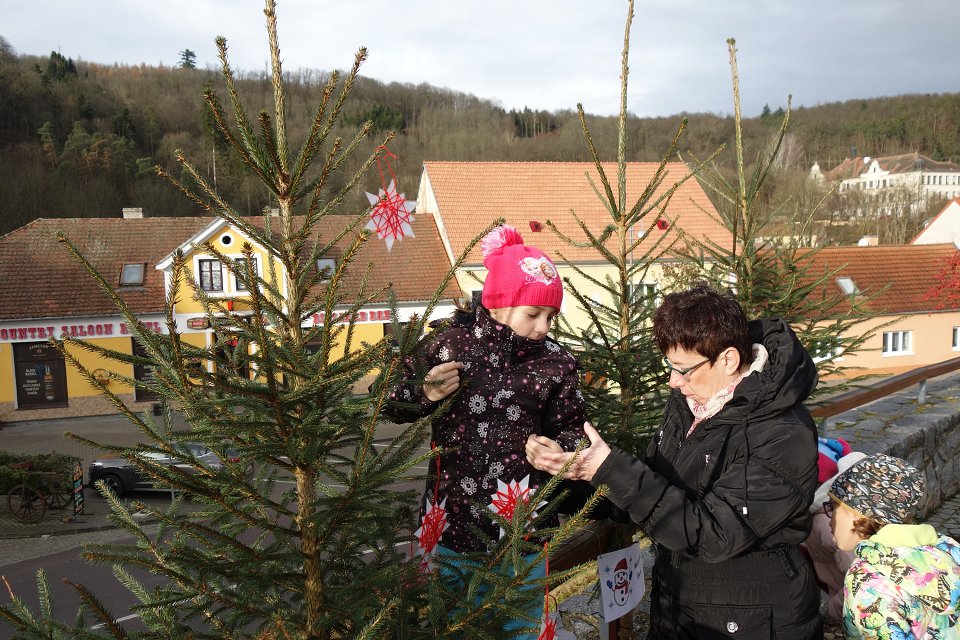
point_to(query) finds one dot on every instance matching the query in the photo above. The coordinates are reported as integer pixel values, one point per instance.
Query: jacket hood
(788, 377)
(918, 561)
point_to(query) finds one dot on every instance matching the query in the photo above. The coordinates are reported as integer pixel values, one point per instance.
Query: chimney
(132, 212)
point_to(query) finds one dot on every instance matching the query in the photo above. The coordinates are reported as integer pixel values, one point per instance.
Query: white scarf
(717, 401)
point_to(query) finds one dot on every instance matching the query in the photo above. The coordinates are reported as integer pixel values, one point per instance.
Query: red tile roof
(39, 279)
(909, 273)
(471, 195)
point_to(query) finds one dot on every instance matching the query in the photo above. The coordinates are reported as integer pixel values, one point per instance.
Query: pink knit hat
(517, 275)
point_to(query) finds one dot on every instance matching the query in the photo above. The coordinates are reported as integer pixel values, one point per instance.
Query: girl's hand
(546, 455)
(442, 380)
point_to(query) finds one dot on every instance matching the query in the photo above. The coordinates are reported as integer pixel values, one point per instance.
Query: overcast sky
(543, 54)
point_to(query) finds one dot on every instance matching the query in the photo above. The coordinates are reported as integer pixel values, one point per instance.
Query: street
(59, 555)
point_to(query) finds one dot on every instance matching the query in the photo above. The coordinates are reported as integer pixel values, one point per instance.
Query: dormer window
(211, 275)
(326, 267)
(132, 274)
(848, 286)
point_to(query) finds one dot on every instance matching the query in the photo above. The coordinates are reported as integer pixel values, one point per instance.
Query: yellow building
(45, 293)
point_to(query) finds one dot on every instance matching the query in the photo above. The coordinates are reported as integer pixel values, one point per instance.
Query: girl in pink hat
(508, 380)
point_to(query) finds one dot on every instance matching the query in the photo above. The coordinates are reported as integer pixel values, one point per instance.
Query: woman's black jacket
(744, 479)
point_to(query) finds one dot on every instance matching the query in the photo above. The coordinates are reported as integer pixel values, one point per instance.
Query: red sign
(198, 323)
(88, 330)
(382, 315)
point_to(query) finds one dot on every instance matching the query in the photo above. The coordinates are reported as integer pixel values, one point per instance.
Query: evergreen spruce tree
(627, 385)
(315, 545)
(769, 263)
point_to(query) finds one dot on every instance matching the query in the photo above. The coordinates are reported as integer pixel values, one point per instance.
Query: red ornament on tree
(504, 501)
(391, 215)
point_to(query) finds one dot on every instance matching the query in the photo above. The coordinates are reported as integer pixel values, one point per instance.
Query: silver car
(120, 476)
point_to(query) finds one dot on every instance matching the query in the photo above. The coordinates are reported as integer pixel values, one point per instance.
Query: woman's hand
(441, 381)
(546, 455)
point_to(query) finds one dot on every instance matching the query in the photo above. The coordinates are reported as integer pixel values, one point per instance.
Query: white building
(905, 173)
(945, 227)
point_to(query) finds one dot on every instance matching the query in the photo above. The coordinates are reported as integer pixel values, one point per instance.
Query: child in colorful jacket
(510, 380)
(905, 580)
(829, 562)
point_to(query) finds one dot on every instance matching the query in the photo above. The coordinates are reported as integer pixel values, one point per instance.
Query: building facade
(465, 197)
(909, 173)
(910, 324)
(45, 293)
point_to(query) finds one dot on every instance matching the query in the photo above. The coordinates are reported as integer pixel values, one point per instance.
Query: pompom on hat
(880, 487)
(517, 274)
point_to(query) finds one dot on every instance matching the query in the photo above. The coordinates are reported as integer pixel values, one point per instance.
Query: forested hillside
(80, 139)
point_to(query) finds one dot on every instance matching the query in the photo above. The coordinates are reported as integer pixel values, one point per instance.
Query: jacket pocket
(711, 622)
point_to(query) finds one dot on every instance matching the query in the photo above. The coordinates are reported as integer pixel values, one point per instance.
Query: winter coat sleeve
(406, 401)
(725, 520)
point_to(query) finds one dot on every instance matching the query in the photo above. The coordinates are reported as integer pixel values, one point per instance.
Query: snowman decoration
(620, 585)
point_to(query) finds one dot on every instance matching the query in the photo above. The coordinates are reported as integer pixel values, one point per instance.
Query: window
(827, 350)
(211, 275)
(326, 267)
(131, 274)
(240, 267)
(956, 338)
(644, 293)
(848, 286)
(897, 342)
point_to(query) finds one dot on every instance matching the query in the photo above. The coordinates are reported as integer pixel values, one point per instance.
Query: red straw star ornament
(434, 522)
(391, 215)
(504, 501)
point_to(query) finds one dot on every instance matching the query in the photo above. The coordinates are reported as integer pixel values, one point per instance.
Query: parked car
(121, 476)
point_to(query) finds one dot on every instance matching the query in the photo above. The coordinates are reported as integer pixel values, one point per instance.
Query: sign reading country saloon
(20, 333)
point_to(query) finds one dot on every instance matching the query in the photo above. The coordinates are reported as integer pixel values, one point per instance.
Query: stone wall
(926, 435)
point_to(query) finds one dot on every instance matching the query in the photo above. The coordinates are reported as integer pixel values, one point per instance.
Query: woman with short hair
(727, 480)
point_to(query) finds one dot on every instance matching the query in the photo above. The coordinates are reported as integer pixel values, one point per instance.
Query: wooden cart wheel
(58, 498)
(26, 503)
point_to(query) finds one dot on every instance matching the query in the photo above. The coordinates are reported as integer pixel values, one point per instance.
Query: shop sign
(380, 315)
(84, 330)
(198, 323)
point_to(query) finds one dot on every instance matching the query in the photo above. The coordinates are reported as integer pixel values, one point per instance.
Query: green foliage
(768, 262)
(36, 467)
(625, 393)
(59, 68)
(382, 117)
(314, 545)
(530, 124)
(188, 59)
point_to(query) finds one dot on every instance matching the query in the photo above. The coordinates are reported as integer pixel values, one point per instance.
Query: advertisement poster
(41, 375)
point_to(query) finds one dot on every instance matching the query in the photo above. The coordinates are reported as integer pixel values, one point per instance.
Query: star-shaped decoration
(505, 500)
(432, 526)
(391, 215)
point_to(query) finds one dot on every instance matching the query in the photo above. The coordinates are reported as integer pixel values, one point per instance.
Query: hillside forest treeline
(80, 139)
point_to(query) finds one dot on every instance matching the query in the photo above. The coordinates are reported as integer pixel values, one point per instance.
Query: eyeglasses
(684, 373)
(829, 508)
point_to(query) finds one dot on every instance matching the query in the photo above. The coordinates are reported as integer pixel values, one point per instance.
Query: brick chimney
(132, 212)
